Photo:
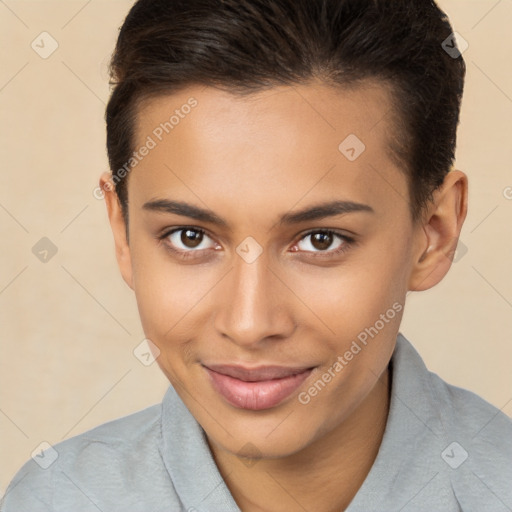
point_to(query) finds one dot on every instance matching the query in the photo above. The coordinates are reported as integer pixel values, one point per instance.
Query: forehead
(291, 143)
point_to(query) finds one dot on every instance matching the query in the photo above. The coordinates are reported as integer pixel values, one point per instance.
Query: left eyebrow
(315, 212)
(324, 210)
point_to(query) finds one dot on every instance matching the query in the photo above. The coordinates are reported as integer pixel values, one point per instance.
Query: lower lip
(258, 395)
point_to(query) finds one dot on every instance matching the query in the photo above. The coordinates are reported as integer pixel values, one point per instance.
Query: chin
(272, 439)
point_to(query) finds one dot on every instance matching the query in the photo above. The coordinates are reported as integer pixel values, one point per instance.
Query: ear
(118, 226)
(438, 232)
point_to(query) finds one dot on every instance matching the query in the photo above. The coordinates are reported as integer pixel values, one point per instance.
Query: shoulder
(114, 441)
(477, 446)
(452, 409)
(82, 464)
(466, 414)
(455, 435)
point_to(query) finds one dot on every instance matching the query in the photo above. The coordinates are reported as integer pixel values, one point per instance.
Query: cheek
(160, 289)
(348, 298)
(167, 300)
(172, 298)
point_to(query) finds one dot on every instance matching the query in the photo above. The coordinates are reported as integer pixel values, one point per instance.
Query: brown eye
(322, 241)
(191, 238)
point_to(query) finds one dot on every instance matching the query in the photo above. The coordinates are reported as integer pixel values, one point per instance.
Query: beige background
(68, 327)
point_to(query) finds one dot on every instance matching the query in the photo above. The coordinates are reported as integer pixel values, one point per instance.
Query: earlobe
(437, 236)
(117, 223)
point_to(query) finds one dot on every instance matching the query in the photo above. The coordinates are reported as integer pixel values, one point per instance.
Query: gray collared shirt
(444, 449)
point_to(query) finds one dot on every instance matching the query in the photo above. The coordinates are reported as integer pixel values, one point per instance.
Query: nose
(254, 306)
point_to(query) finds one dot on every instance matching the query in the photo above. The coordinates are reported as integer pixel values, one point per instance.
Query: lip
(256, 389)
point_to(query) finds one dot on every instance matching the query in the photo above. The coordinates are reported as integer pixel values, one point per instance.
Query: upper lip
(256, 374)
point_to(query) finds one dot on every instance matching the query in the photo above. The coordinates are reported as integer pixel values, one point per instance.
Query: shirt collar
(189, 461)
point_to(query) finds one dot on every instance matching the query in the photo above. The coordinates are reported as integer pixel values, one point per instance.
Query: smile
(258, 389)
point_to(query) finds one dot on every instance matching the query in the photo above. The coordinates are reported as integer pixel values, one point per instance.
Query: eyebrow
(315, 212)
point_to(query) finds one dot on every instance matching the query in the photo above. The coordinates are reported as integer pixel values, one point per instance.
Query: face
(270, 264)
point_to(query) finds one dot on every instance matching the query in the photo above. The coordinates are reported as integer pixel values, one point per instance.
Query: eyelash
(348, 242)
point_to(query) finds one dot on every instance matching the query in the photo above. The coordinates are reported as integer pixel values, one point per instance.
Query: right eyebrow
(184, 209)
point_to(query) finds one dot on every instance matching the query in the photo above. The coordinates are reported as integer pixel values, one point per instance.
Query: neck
(325, 475)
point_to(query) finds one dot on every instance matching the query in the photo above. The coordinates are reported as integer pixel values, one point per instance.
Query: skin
(250, 161)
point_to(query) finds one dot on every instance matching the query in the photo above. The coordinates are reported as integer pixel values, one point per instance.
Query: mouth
(256, 389)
